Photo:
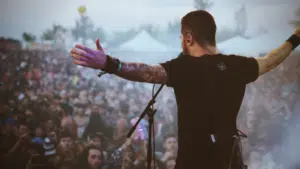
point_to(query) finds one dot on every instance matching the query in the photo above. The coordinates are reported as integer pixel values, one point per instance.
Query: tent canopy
(143, 42)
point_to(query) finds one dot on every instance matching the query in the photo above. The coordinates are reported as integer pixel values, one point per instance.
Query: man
(170, 148)
(19, 152)
(65, 151)
(209, 87)
(90, 158)
(97, 141)
(96, 124)
(67, 122)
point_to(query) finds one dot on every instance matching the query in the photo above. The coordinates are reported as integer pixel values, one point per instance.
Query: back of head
(201, 25)
(67, 109)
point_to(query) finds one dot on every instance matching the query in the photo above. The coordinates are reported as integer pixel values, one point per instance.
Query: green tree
(51, 34)
(27, 37)
(58, 28)
(48, 35)
(85, 29)
(203, 4)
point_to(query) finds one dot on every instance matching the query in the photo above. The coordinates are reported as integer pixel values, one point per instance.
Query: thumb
(99, 47)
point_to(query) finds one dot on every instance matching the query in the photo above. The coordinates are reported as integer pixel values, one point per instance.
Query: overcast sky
(35, 16)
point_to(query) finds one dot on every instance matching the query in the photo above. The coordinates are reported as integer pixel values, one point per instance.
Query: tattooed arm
(141, 72)
(275, 57)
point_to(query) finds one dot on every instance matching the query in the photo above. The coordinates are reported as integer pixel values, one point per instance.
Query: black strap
(294, 40)
(112, 65)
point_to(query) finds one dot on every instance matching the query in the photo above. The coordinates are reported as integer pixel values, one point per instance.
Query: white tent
(143, 42)
(237, 45)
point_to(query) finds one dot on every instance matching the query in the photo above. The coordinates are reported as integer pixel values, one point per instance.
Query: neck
(199, 51)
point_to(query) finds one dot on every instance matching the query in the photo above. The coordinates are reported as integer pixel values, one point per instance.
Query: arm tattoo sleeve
(275, 57)
(141, 72)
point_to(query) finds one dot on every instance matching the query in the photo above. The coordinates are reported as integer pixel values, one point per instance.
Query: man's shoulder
(234, 59)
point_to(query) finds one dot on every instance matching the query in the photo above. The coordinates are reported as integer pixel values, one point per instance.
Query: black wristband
(294, 41)
(112, 65)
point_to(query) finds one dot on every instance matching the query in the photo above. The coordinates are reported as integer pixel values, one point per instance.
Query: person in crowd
(91, 158)
(122, 127)
(65, 151)
(67, 122)
(19, 152)
(97, 140)
(8, 135)
(38, 137)
(81, 121)
(96, 124)
(80, 145)
(128, 157)
(170, 148)
(141, 160)
(49, 145)
(49, 126)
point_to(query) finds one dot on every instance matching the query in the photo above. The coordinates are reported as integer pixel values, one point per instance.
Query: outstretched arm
(275, 57)
(141, 72)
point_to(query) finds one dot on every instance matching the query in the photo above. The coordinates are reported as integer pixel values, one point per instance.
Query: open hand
(87, 57)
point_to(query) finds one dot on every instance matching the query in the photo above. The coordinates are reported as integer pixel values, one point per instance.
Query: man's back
(209, 91)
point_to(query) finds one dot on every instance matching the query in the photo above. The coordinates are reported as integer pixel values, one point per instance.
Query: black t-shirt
(209, 91)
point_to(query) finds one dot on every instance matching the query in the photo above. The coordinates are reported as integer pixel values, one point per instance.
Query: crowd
(55, 114)
(58, 115)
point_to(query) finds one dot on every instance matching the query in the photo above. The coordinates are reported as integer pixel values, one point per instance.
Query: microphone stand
(148, 110)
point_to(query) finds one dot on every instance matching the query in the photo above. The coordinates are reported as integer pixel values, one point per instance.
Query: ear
(189, 39)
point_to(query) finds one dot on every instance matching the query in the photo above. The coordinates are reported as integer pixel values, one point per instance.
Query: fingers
(81, 63)
(84, 48)
(80, 55)
(99, 47)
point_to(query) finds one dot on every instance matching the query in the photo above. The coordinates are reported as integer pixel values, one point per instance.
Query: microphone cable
(153, 134)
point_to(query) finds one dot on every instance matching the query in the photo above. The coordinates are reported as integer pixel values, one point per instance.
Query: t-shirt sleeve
(171, 68)
(245, 69)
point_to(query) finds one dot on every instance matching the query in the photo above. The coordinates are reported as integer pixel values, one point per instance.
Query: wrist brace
(113, 65)
(294, 41)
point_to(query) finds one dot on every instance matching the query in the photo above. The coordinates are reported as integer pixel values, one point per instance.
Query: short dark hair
(201, 25)
(67, 108)
(83, 157)
(64, 134)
